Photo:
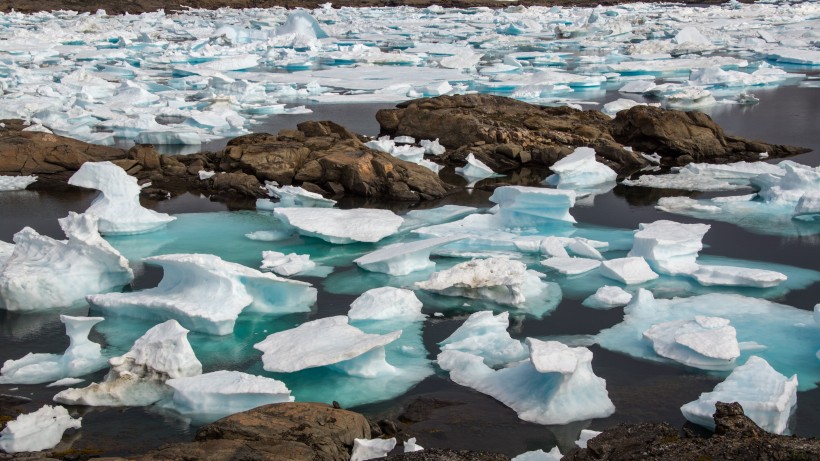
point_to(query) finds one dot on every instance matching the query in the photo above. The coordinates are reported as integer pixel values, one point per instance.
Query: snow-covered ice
(608, 297)
(411, 446)
(630, 270)
(386, 303)
(9, 183)
(39, 430)
(364, 449)
(485, 335)
(286, 264)
(405, 257)
(341, 226)
(705, 342)
(118, 206)
(501, 280)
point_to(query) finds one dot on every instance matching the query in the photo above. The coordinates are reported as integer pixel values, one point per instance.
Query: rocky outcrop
(505, 133)
(435, 454)
(736, 437)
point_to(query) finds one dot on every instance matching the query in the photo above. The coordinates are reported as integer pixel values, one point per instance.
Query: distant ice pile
(341, 226)
(485, 335)
(767, 397)
(138, 377)
(206, 294)
(9, 183)
(39, 430)
(556, 385)
(81, 358)
(44, 273)
(118, 206)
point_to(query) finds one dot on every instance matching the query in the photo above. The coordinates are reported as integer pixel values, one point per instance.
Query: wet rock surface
(437, 454)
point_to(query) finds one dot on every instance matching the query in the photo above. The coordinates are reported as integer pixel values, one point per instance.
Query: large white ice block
(669, 247)
(118, 205)
(206, 294)
(521, 204)
(485, 335)
(403, 258)
(768, 398)
(44, 273)
(709, 343)
(386, 303)
(341, 226)
(40, 430)
(580, 169)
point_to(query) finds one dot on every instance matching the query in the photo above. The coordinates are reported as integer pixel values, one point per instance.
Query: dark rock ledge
(326, 158)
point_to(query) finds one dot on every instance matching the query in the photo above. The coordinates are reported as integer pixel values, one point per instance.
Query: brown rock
(145, 155)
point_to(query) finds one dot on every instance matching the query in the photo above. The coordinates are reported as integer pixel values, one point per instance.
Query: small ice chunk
(118, 207)
(138, 377)
(580, 168)
(497, 279)
(270, 236)
(584, 249)
(485, 335)
(464, 60)
(540, 455)
(342, 226)
(40, 430)
(709, 343)
(411, 446)
(386, 303)
(475, 170)
(65, 382)
(286, 264)
(404, 140)
(329, 341)
(571, 266)
(630, 270)
(364, 449)
(404, 258)
(638, 86)
(586, 436)
(301, 23)
(9, 183)
(203, 175)
(432, 147)
(553, 246)
(709, 275)
(608, 297)
(768, 398)
(292, 196)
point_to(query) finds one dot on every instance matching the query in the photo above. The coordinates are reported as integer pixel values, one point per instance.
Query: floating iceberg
(341, 226)
(328, 342)
(485, 335)
(206, 294)
(608, 297)
(9, 183)
(364, 449)
(709, 343)
(44, 273)
(118, 206)
(386, 303)
(556, 385)
(630, 271)
(475, 170)
(40, 430)
(211, 396)
(522, 205)
(286, 264)
(81, 358)
(580, 169)
(292, 196)
(768, 398)
(138, 377)
(403, 258)
(669, 247)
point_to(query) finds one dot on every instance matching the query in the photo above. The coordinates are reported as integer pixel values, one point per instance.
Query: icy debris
(81, 358)
(329, 342)
(386, 303)
(768, 398)
(40, 430)
(571, 266)
(138, 377)
(475, 170)
(689, 98)
(630, 270)
(432, 147)
(584, 249)
(501, 280)
(364, 449)
(222, 393)
(207, 294)
(203, 175)
(690, 35)
(341, 226)
(669, 247)
(608, 297)
(118, 206)
(286, 264)
(9, 183)
(485, 335)
(411, 446)
(540, 455)
(706, 177)
(43, 273)
(579, 169)
(404, 258)
(292, 196)
(709, 343)
(637, 86)
(556, 385)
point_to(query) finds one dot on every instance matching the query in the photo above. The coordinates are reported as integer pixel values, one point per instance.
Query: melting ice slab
(138, 377)
(81, 358)
(8, 183)
(608, 297)
(709, 343)
(580, 169)
(403, 258)
(118, 206)
(341, 226)
(328, 342)
(485, 335)
(386, 303)
(555, 385)
(207, 294)
(767, 397)
(40, 430)
(44, 273)
(522, 205)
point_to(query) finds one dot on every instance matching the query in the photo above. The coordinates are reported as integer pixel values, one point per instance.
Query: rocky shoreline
(326, 158)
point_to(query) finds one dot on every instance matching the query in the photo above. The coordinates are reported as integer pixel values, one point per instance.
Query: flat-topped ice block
(669, 247)
(118, 206)
(404, 258)
(207, 294)
(709, 343)
(330, 342)
(534, 203)
(608, 297)
(341, 226)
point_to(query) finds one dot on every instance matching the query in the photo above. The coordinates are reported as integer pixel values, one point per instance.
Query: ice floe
(705, 342)
(286, 264)
(403, 258)
(608, 297)
(485, 335)
(9, 183)
(118, 206)
(386, 303)
(341, 226)
(632, 270)
(40, 430)
(706, 177)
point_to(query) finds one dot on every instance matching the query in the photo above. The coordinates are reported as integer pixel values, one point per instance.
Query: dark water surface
(640, 390)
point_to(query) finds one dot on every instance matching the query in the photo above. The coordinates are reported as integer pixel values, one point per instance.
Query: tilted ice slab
(475, 170)
(783, 335)
(403, 258)
(293, 196)
(386, 303)
(709, 343)
(630, 271)
(571, 266)
(118, 206)
(579, 169)
(707, 177)
(81, 358)
(9, 183)
(211, 396)
(768, 398)
(205, 293)
(341, 226)
(608, 297)
(330, 342)
(138, 377)
(286, 264)
(39, 430)
(669, 247)
(556, 385)
(44, 273)
(485, 335)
